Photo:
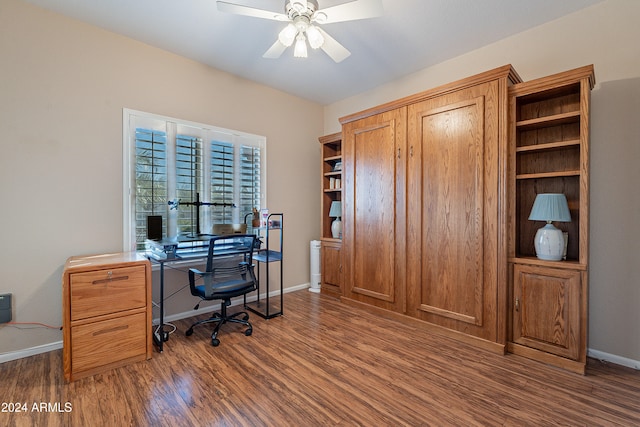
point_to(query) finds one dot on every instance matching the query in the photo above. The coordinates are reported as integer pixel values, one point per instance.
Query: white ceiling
(412, 35)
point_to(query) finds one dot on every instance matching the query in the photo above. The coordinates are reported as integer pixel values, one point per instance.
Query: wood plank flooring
(321, 364)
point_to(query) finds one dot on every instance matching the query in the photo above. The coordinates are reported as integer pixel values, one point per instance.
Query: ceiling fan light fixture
(319, 17)
(300, 17)
(288, 35)
(316, 39)
(300, 6)
(300, 49)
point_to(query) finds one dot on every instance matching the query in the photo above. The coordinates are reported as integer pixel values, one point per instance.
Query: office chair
(229, 273)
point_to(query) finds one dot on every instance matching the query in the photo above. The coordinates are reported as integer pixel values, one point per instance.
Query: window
(192, 175)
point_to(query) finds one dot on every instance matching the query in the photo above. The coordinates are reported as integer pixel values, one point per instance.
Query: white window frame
(134, 118)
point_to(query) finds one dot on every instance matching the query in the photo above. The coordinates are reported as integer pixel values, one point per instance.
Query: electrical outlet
(5, 308)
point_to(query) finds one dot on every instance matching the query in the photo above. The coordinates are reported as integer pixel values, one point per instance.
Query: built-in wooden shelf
(546, 121)
(531, 260)
(548, 174)
(548, 146)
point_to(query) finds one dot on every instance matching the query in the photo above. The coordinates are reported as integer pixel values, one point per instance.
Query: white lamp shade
(288, 35)
(300, 49)
(550, 207)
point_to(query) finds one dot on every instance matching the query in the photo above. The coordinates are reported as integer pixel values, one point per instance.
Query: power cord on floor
(34, 324)
(173, 328)
(157, 305)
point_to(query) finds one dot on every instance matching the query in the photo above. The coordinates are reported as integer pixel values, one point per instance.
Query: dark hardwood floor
(321, 364)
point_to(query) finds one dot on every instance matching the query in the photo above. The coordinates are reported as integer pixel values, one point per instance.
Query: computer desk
(197, 249)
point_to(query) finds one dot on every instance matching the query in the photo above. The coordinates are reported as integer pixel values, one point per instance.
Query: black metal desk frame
(159, 334)
(267, 256)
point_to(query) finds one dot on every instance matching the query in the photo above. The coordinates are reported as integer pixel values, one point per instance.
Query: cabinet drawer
(109, 341)
(106, 291)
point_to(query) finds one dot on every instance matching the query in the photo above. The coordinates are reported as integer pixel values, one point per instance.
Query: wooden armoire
(422, 221)
(428, 183)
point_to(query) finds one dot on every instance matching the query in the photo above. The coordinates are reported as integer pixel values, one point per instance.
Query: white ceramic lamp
(549, 240)
(336, 212)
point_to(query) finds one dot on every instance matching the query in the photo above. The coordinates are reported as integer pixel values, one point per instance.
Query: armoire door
(453, 210)
(374, 165)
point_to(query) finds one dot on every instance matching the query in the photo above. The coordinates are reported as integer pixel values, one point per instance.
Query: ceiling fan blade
(335, 50)
(275, 51)
(358, 9)
(238, 9)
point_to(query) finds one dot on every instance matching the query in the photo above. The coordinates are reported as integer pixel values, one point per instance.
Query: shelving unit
(268, 306)
(331, 178)
(331, 248)
(549, 149)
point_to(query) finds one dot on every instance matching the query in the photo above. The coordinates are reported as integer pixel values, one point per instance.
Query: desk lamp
(549, 241)
(336, 212)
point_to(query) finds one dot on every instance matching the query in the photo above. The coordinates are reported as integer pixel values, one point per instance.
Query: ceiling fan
(303, 17)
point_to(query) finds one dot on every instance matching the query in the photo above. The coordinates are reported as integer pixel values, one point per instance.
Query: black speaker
(5, 308)
(154, 227)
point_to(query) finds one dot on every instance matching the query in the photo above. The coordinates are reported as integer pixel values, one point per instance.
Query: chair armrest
(192, 275)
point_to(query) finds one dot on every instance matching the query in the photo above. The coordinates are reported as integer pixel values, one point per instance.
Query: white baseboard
(612, 358)
(32, 351)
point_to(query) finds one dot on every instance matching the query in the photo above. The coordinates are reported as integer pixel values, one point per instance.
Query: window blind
(151, 179)
(188, 180)
(168, 160)
(249, 178)
(222, 179)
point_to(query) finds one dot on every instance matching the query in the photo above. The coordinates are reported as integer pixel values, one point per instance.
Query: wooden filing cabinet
(106, 313)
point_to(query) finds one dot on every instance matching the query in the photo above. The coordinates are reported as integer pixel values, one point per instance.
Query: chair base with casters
(221, 319)
(229, 274)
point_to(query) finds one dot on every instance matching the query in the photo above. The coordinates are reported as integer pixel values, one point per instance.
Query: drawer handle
(110, 279)
(106, 331)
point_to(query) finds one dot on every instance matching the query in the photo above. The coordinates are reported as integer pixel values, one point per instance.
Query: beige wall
(63, 85)
(607, 36)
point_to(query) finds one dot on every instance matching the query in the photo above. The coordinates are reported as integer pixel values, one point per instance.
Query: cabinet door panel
(546, 309)
(331, 264)
(452, 179)
(454, 215)
(374, 210)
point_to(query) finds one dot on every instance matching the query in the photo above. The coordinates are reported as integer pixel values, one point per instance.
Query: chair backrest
(233, 245)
